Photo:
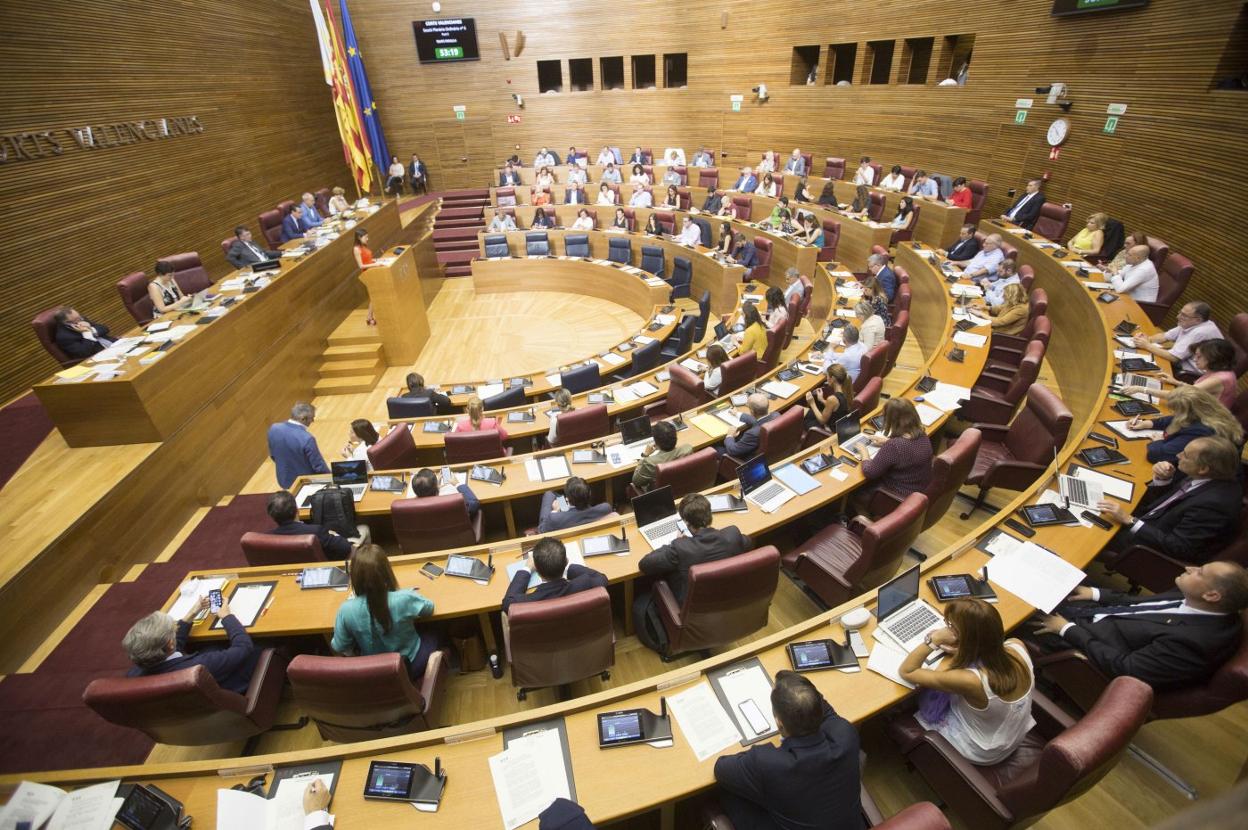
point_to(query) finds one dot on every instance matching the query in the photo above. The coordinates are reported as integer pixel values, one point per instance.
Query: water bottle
(496, 668)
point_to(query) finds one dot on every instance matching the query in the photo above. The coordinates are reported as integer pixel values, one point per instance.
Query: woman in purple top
(902, 460)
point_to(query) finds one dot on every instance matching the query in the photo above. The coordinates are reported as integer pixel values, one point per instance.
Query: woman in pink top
(1215, 359)
(475, 420)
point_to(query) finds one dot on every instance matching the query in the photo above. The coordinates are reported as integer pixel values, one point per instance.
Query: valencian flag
(364, 95)
(350, 130)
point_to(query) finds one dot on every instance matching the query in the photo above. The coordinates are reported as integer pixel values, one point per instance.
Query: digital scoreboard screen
(1064, 7)
(446, 41)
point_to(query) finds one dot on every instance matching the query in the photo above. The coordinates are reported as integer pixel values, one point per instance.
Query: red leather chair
(434, 523)
(1172, 278)
(741, 207)
(949, 472)
(724, 601)
(1237, 333)
(1010, 251)
(322, 200)
(708, 178)
(270, 223)
(681, 171)
(395, 450)
(895, 335)
(831, 237)
(1058, 760)
(685, 391)
(762, 266)
(555, 642)
(1026, 278)
(995, 398)
(133, 290)
(648, 167)
(901, 300)
(907, 233)
(691, 474)
(808, 293)
(1004, 358)
(907, 176)
(631, 217)
(188, 272)
(187, 707)
(737, 372)
(1158, 250)
(1014, 457)
(667, 220)
(833, 168)
(879, 171)
(882, 251)
(44, 324)
(505, 196)
(775, 342)
(794, 310)
(463, 447)
(582, 425)
(875, 210)
(979, 195)
(922, 816)
(872, 365)
(261, 549)
(284, 207)
(226, 243)
(1052, 221)
(685, 198)
(839, 562)
(778, 438)
(361, 698)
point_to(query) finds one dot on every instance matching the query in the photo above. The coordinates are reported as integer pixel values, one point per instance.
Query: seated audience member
(156, 644)
(747, 182)
(425, 484)
(416, 388)
(1091, 237)
(796, 164)
(862, 201)
(510, 177)
(872, 293)
(1010, 315)
(672, 562)
(850, 356)
(514, 160)
(653, 226)
(605, 157)
(641, 197)
(621, 220)
(1213, 361)
(577, 176)
(502, 222)
(541, 219)
(575, 196)
(984, 263)
(606, 196)
(292, 223)
(1026, 209)
(662, 449)
(544, 179)
(1170, 640)
(827, 196)
(768, 163)
(675, 157)
(830, 400)
(394, 176)
(360, 436)
(777, 313)
(966, 247)
(77, 336)
(550, 559)
(1194, 413)
(584, 222)
(284, 512)
(793, 285)
(639, 176)
(801, 192)
(778, 213)
(1138, 277)
(923, 186)
(671, 198)
(244, 252)
(576, 507)
(164, 291)
(870, 326)
(743, 444)
(811, 780)
(986, 685)
(611, 175)
(311, 216)
(812, 231)
(994, 289)
(961, 195)
(714, 201)
(380, 618)
(716, 357)
(338, 202)
(768, 187)
(726, 209)
(1189, 513)
(726, 239)
(573, 158)
(544, 158)
(417, 174)
(894, 180)
(1119, 261)
(878, 265)
(902, 460)
(744, 253)
(865, 174)
(293, 448)
(562, 403)
(703, 158)
(671, 177)
(905, 214)
(754, 336)
(474, 420)
(1194, 327)
(690, 234)
(638, 157)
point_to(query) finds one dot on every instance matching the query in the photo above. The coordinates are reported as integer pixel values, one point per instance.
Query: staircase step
(456, 257)
(458, 271)
(444, 224)
(353, 351)
(460, 213)
(346, 385)
(472, 193)
(354, 331)
(455, 233)
(344, 368)
(456, 245)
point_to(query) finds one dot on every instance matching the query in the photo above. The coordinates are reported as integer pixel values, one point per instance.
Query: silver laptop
(1080, 493)
(657, 519)
(758, 487)
(903, 618)
(351, 476)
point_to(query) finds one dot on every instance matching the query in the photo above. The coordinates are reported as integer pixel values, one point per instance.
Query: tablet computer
(1042, 515)
(960, 586)
(814, 655)
(398, 781)
(1098, 456)
(621, 728)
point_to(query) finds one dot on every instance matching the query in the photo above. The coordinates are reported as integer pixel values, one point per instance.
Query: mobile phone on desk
(214, 600)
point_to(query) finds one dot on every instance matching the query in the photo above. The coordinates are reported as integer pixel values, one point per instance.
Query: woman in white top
(777, 313)
(726, 209)
(716, 357)
(767, 187)
(164, 291)
(544, 178)
(396, 174)
(338, 202)
(605, 157)
(360, 436)
(583, 221)
(502, 222)
(988, 679)
(894, 180)
(768, 164)
(606, 196)
(563, 403)
(865, 174)
(639, 176)
(870, 326)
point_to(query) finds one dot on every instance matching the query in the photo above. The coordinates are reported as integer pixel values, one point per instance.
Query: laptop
(903, 618)
(758, 487)
(351, 475)
(635, 431)
(656, 516)
(1080, 493)
(199, 301)
(849, 434)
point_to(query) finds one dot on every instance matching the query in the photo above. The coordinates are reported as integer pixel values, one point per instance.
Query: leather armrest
(858, 525)
(669, 609)
(993, 432)
(990, 380)
(1012, 475)
(265, 689)
(1073, 673)
(1011, 340)
(1005, 354)
(883, 502)
(433, 681)
(657, 410)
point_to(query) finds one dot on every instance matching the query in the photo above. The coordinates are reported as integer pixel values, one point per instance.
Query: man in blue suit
(425, 484)
(577, 511)
(292, 224)
(744, 445)
(311, 216)
(748, 181)
(293, 448)
(156, 645)
(877, 264)
(550, 558)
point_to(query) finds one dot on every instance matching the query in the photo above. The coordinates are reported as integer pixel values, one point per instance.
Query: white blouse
(893, 181)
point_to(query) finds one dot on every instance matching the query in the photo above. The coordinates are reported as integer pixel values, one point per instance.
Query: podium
(398, 305)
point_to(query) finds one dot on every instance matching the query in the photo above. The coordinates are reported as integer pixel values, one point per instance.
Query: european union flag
(364, 95)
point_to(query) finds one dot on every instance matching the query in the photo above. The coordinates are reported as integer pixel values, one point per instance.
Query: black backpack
(334, 509)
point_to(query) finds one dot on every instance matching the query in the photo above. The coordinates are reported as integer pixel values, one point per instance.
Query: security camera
(761, 92)
(1042, 90)
(519, 99)
(1065, 105)
(1056, 93)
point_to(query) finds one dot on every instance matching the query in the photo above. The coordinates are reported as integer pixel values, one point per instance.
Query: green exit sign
(446, 53)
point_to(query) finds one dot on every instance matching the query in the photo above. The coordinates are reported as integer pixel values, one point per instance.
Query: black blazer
(964, 249)
(1195, 527)
(807, 782)
(506, 179)
(745, 446)
(1165, 649)
(1030, 212)
(240, 255)
(417, 170)
(673, 561)
(231, 667)
(580, 578)
(75, 345)
(441, 403)
(335, 547)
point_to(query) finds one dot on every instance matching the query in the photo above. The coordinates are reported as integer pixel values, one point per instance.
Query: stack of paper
(927, 414)
(692, 365)
(780, 388)
(574, 558)
(621, 455)
(1035, 575)
(643, 388)
(966, 338)
(284, 811)
(613, 359)
(886, 659)
(703, 721)
(1125, 431)
(489, 390)
(88, 808)
(191, 591)
(946, 396)
(962, 290)
(528, 775)
(709, 424)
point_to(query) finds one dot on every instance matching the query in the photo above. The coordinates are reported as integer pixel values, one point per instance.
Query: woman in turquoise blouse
(379, 617)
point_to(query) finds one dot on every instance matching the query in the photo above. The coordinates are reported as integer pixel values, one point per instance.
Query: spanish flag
(354, 148)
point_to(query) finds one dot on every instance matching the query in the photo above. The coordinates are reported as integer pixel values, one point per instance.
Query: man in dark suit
(1167, 640)
(77, 336)
(672, 562)
(417, 174)
(282, 509)
(293, 449)
(811, 780)
(292, 224)
(744, 445)
(1026, 209)
(425, 484)
(244, 252)
(156, 645)
(877, 264)
(1191, 513)
(416, 389)
(574, 196)
(966, 247)
(577, 511)
(550, 559)
(510, 177)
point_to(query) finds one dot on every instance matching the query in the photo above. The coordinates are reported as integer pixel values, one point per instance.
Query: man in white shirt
(994, 289)
(671, 177)
(1138, 279)
(641, 197)
(690, 234)
(502, 222)
(702, 158)
(545, 158)
(796, 164)
(577, 176)
(793, 285)
(865, 174)
(1194, 327)
(984, 263)
(1026, 210)
(611, 175)
(851, 357)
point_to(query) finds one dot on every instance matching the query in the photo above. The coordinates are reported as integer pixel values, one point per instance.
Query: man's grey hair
(147, 641)
(302, 412)
(878, 259)
(759, 404)
(792, 273)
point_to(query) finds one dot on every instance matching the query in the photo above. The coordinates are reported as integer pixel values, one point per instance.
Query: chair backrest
(188, 271)
(262, 549)
(831, 237)
(646, 357)
(681, 171)
(708, 178)
(322, 201)
(1027, 372)
(1227, 686)
(509, 397)
(1239, 408)
(432, 522)
(620, 249)
(1082, 755)
(808, 293)
(1040, 427)
(781, 436)
(737, 372)
(775, 342)
(1173, 277)
(583, 424)
(901, 301)
(133, 290)
(582, 378)
(833, 168)
(741, 207)
(885, 540)
(496, 246)
(226, 243)
(1009, 251)
(653, 259)
(551, 642)
(685, 390)
(875, 211)
(1112, 238)
(682, 341)
(1026, 277)
(1237, 333)
(868, 398)
(727, 599)
(763, 246)
(403, 407)
(284, 207)
(921, 816)
(691, 474)
(1052, 221)
(704, 316)
(872, 365)
(666, 220)
(949, 472)
(180, 708)
(463, 447)
(907, 176)
(270, 223)
(44, 324)
(395, 450)
(793, 308)
(1158, 250)
(576, 244)
(1037, 303)
(536, 243)
(878, 170)
(682, 271)
(979, 195)
(896, 336)
(704, 230)
(358, 698)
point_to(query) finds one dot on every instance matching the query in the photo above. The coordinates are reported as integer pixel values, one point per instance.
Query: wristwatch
(927, 639)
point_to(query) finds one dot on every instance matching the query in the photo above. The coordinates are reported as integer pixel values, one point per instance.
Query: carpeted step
(458, 271)
(457, 257)
(455, 233)
(456, 245)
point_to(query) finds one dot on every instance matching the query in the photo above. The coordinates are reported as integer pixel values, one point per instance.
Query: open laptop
(350, 475)
(656, 516)
(635, 431)
(199, 301)
(849, 434)
(904, 619)
(758, 487)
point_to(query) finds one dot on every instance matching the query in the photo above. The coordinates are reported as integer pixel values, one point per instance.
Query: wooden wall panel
(76, 223)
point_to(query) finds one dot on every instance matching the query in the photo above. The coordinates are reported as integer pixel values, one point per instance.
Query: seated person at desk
(744, 253)
(1119, 261)
(905, 214)
(475, 419)
(872, 293)
(961, 195)
(541, 219)
(726, 209)
(311, 216)
(1091, 237)
(966, 247)
(1026, 209)
(994, 289)
(1170, 640)
(865, 174)
(781, 210)
(768, 163)
(573, 158)
(690, 234)
(637, 157)
(510, 177)
(641, 197)
(284, 512)
(360, 436)
(703, 158)
(743, 445)
(754, 336)
(747, 182)
(577, 508)
(671, 198)
(724, 246)
(653, 226)
(796, 164)
(639, 176)
(611, 175)
(502, 222)
(675, 156)
(716, 357)
(1194, 413)
(550, 559)
(878, 265)
(1214, 361)
(923, 186)
(793, 285)
(425, 484)
(544, 158)
(621, 220)
(575, 196)
(672, 562)
(830, 400)
(1194, 327)
(984, 263)
(850, 356)
(768, 187)
(1010, 315)
(827, 196)
(584, 222)
(1189, 513)
(577, 176)
(292, 223)
(293, 448)
(338, 202)
(870, 326)
(606, 157)
(158, 645)
(416, 389)
(394, 177)
(987, 681)
(514, 160)
(606, 196)
(903, 455)
(671, 177)
(800, 193)
(862, 202)
(811, 780)
(379, 618)
(777, 313)
(244, 252)
(812, 231)
(894, 180)
(77, 336)
(662, 449)
(544, 179)
(164, 292)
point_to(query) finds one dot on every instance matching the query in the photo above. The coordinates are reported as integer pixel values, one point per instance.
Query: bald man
(744, 445)
(1138, 278)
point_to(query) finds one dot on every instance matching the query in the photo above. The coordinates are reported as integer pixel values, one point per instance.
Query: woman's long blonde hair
(476, 411)
(1190, 405)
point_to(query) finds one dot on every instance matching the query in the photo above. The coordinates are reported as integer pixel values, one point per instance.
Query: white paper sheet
(1004, 544)
(528, 776)
(89, 808)
(288, 800)
(489, 390)
(886, 659)
(928, 414)
(554, 467)
(750, 683)
(838, 473)
(248, 602)
(780, 388)
(191, 591)
(946, 396)
(1112, 485)
(702, 720)
(966, 338)
(621, 455)
(1035, 576)
(643, 388)
(236, 808)
(1122, 429)
(692, 365)
(532, 470)
(30, 802)
(613, 359)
